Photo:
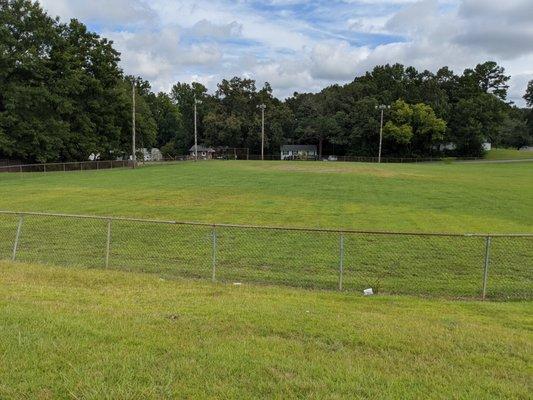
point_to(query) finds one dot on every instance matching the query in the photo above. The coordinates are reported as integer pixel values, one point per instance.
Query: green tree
(474, 121)
(399, 129)
(529, 101)
(514, 131)
(528, 97)
(31, 129)
(58, 85)
(183, 95)
(414, 128)
(488, 77)
(429, 130)
(169, 124)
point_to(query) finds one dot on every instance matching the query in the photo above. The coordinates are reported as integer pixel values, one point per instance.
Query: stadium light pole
(196, 102)
(381, 107)
(262, 107)
(133, 157)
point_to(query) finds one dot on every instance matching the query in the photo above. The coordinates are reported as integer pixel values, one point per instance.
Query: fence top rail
(262, 227)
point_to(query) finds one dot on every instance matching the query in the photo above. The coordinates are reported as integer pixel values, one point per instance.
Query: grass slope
(71, 333)
(424, 197)
(508, 154)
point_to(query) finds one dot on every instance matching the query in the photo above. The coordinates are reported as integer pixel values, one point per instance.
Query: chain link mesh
(455, 266)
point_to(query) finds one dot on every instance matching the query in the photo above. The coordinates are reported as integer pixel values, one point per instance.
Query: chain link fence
(111, 164)
(447, 265)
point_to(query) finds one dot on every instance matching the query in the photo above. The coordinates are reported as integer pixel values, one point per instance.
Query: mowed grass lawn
(508, 154)
(406, 197)
(92, 334)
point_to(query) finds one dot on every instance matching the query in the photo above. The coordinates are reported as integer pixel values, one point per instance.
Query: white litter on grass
(368, 292)
(237, 283)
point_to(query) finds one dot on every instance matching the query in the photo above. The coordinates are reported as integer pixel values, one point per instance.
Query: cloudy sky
(301, 45)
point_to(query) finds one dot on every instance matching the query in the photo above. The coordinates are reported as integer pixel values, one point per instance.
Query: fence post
(486, 265)
(108, 243)
(214, 262)
(17, 238)
(341, 260)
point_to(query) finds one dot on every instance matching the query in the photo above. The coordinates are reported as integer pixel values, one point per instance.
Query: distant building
(299, 152)
(154, 154)
(447, 146)
(204, 153)
(143, 154)
(450, 146)
(526, 148)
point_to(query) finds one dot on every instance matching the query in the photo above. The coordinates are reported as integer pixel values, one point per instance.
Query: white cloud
(303, 46)
(103, 12)
(336, 60)
(205, 28)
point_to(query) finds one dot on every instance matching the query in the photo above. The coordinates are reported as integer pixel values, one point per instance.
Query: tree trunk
(320, 140)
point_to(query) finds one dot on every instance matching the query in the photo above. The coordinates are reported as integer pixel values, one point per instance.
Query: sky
(304, 46)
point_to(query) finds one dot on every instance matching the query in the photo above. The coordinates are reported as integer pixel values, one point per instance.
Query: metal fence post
(486, 265)
(341, 260)
(17, 238)
(108, 243)
(214, 244)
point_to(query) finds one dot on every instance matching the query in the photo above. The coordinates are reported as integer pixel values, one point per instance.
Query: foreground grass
(408, 197)
(74, 333)
(508, 154)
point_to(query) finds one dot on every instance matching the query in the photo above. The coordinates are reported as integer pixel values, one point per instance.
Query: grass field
(91, 334)
(428, 197)
(408, 197)
(508, 154)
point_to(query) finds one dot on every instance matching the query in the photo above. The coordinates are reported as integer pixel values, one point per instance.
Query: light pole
(262, 107)
(196, 102)
(381, 107)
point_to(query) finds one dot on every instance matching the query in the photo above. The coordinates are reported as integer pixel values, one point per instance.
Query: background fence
(97, 165)
(463, 266)
(66, 166)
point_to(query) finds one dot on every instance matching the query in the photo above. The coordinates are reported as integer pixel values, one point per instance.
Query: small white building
(204, 153)
(450, 146)
(299, 152)
(153, 154)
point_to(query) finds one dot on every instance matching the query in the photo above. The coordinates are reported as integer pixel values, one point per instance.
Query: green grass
(508, 154)
(92, 334)
(428, 197)
(408, 197)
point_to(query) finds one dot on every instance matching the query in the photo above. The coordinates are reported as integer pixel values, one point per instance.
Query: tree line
(63, 97)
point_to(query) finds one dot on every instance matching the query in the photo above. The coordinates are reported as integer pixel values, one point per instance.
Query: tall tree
(414, 128)
(183, 95)
(169, 124)
(489, 77)
(528, 97)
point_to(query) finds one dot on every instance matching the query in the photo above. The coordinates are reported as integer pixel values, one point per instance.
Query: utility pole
(133, 157)
(262, 107)
(381, 107)
(196, 129)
